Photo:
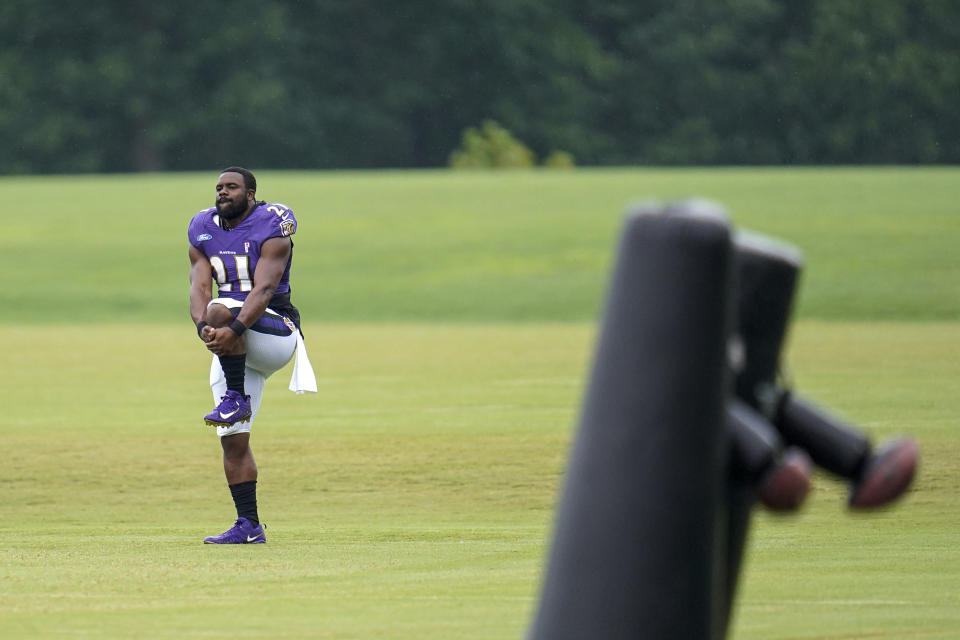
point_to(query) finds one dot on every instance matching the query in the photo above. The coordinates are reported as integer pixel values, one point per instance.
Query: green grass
(403, 501)
(451, 318)
(416, 500)
(444, 246)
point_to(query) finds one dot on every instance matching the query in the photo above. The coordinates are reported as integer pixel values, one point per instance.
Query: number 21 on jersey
(224, 281)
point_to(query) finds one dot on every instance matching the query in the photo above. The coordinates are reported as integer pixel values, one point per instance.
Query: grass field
(451, 319)
(485, 246)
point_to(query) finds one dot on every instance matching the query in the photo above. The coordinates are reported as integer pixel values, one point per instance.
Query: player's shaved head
(249, 182)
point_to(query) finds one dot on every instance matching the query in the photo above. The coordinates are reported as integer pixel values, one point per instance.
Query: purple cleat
(233, 408)
(242, 532)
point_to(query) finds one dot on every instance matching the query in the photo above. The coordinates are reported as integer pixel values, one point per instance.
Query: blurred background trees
(107, 86)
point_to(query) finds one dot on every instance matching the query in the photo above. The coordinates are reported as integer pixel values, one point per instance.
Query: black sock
(234, 368)
(245, 498)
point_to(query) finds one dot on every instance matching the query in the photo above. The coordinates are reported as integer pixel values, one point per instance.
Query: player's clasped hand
(219, 341)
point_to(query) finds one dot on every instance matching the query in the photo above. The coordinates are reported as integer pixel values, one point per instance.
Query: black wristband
(237, 327)
(200, 326)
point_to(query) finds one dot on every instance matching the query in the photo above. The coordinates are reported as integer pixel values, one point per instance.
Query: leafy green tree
(104, 86)
(870, 82)
(491, 147)
(138, 86)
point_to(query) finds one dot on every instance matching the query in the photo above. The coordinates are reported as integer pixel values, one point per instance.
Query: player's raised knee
(219, 316)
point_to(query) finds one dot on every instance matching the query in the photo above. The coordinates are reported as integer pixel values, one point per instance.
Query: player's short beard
(231, 209)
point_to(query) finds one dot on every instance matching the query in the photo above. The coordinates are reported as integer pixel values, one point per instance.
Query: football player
(251, 327)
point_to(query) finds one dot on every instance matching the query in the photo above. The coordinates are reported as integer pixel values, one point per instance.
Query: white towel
(303, 378)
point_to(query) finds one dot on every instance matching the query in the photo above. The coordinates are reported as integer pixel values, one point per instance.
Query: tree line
(109, 86)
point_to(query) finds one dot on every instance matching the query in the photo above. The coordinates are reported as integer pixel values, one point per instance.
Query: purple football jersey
(233, 254)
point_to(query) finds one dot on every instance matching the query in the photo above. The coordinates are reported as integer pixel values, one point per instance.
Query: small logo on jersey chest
(246, 247)
(204, 236)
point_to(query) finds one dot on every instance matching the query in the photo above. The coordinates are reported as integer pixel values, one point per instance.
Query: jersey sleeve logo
(287, 227)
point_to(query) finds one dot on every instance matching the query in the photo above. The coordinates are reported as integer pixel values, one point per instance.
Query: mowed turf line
(413, 497)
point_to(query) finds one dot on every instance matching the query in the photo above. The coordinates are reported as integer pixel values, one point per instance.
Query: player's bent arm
(201, 284)
(274, 256)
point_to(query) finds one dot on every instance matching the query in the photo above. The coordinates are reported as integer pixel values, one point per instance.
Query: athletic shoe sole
(214, 423)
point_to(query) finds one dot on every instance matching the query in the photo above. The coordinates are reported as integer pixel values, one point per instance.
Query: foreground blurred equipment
(767, 274)
(877, 477)
(779, 477)
(685, 428)
(635, 551)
